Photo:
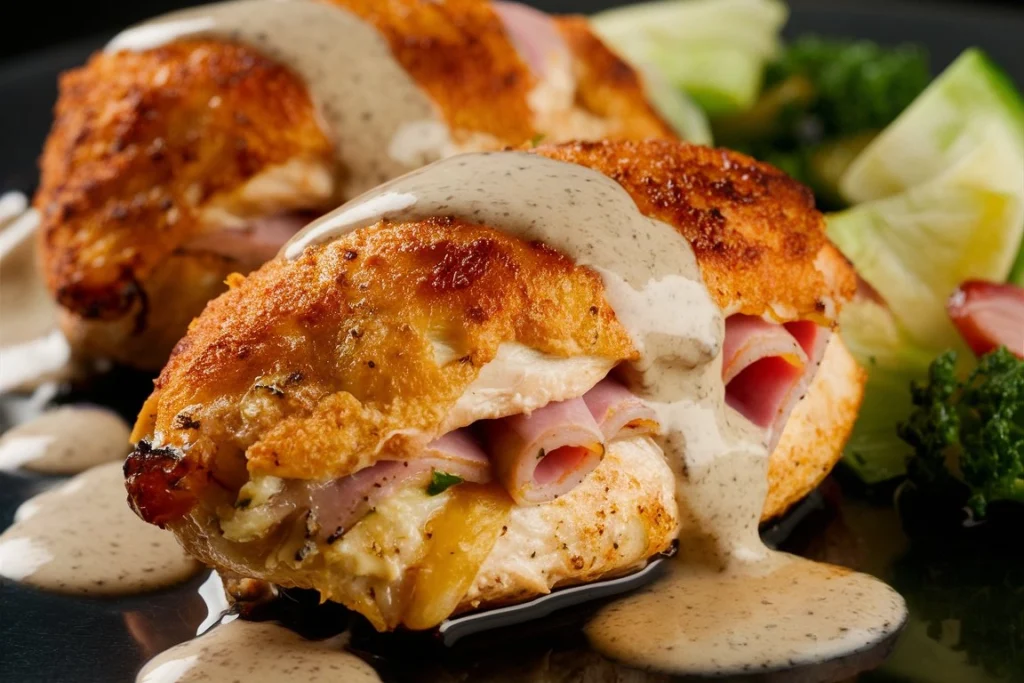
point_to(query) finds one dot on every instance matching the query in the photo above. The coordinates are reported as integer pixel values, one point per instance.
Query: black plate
(965, 587)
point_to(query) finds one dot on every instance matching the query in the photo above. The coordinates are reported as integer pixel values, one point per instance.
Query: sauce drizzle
(366, 101)
(729, 603)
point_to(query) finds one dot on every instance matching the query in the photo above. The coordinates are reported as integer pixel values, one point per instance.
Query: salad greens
(727, 43)
(892, 361)
(969, 432)
(940, 200)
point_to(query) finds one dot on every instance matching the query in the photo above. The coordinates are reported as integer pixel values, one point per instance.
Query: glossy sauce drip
(380, 121)
(82, 538)
(256, 653)
(31, 348)
(66, 440)
(721, 607)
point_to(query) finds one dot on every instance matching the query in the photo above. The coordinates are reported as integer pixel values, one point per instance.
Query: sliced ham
(534, 35)
(989, 315)
(255, 242)
(339, 504)
(749, 340)
(545, 454)
(618, 411)
(767, 368)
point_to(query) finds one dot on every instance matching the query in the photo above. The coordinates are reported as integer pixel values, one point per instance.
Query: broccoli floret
(971, 432)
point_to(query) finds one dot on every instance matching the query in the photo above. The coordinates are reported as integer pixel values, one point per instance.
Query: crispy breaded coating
(307, 367)
(760, 242)
(311, 367)
(144, 143)
(459, 53)
(609, 87)
(318, 367)
(140, 143)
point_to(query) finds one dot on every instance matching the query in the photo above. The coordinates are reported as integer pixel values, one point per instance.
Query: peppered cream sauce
(32, 350)
(82, 538)
(65, 440)
(256, 653)
(382, 124)
(729, 604)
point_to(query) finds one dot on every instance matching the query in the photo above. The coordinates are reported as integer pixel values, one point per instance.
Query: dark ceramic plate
(965, 586)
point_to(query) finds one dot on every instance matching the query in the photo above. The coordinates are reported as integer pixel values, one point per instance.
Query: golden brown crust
(308, 366)
(755, 231)
(143, 142)
(459, 53)
(318, 367)
(304, 369)
(139, 143)
(608, 86)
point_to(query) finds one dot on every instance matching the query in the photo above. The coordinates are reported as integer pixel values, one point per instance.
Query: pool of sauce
(729, 604)
(257, 653)
(66, 440)
(382, 124)
(82, 538)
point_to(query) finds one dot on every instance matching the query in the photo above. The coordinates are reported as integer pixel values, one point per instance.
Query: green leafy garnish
(441, 482)
(969, 432)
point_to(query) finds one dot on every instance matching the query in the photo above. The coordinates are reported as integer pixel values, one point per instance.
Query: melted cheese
(390, 538)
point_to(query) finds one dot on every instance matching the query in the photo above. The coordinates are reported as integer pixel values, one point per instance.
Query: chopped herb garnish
(536, 139)
(441, 482)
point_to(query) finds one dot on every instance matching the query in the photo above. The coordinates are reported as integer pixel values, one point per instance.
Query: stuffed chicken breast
(417, 409)
(196, 144)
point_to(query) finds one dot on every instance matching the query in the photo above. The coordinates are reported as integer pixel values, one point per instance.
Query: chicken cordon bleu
(425, 414)
(198, 143)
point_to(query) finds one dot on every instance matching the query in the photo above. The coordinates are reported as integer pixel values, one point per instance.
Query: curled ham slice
(767, 368)
(339, 504)
(750, 340)
(545, 454)
(617, 410)
(534, 35)
(989, 315)
(255, 242)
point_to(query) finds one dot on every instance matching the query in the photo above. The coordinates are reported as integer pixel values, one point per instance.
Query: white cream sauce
(66, 440)
(32, 350)
(82, 538)
(721, 607)
(382, 124)
(257, 653)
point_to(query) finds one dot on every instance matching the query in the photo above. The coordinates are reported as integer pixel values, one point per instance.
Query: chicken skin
(169, 168)
(322, 381)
